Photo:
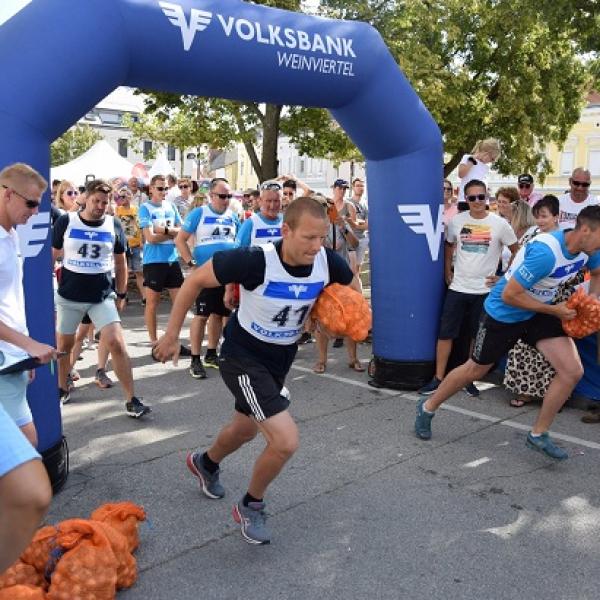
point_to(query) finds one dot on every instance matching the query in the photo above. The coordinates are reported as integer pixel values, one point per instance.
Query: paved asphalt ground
(363, 510)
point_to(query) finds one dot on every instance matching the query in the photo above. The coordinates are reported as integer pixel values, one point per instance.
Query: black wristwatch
(192, 263)
(471, 159)
(121, 296)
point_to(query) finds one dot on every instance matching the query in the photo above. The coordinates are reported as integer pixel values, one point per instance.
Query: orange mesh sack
(124, 517)
(343, 311)
(87, 567)
(22, 592)
(22, 573)
(587, 320)
(126, 564)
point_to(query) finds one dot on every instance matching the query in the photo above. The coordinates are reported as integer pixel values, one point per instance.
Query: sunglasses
(123, 196)
(524, 185)
(184, 186)
(161, 188)
(72, 193)
(270, 185)
(246, 195)
(223, 196)
(474, 197)
(28, 203)
(583, 184)
(447, 189)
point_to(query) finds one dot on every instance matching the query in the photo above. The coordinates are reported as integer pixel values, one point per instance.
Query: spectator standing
(477, 164)
(173, 190)
(137, 196)
(574, 201)
(475, 238)
(184, 199)
(127, 213)
(360, 227)
(526, 187)
(450, 202)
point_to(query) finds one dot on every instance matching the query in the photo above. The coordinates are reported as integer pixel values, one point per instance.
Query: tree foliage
(73, 143)
(499, 68)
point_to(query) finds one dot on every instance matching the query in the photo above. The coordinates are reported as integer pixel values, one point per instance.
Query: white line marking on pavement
(456, 409)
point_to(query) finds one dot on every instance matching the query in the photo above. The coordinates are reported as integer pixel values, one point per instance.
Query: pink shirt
(533, 198)
(450, 212)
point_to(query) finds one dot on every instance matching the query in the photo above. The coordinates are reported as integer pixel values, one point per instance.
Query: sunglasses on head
(270, 185)
(583, 184)
(28, 203)
(223, 196)
(474, 197)
(161, 188)
(184, 186)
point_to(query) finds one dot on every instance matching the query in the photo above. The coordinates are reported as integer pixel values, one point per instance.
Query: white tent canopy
(100, 160)
(161, 165)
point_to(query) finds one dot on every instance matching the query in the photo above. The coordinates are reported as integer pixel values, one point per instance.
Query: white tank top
(564, 268)
(215, 228)
(89, 250)
(275, 312)
(263, 233)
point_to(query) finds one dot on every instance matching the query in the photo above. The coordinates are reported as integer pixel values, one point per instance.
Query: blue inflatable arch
(59, 58)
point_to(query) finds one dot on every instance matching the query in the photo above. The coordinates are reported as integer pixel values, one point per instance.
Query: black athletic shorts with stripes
(257, 391)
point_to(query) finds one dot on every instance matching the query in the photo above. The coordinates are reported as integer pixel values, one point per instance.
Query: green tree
(189, 122)
(73, 143)
(508, 69)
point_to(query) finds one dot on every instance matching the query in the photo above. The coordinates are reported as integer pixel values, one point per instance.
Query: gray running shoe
(544, 444)
(423, 421)
(211, 486)
(136, 409)
(252, 520)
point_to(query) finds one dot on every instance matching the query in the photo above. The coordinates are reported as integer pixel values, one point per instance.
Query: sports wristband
(121, 295)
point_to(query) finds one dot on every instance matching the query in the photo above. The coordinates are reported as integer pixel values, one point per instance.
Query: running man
(519, 307)
(279, 285)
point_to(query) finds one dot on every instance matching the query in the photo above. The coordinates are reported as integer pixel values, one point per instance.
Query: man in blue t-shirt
(519, 307)
(279, 284)
(160, 223)
(211, 228)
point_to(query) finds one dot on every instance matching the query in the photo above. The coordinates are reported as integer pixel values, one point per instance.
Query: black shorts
(160, 276)
(256, 390)
(495, 338)
(210, 302)
(456, 306)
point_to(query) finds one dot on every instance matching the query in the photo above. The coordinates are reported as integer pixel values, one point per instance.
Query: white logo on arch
(419, 218)
(33, 234)
(199, 21)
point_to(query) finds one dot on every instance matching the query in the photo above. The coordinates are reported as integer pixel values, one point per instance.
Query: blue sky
(9, 7)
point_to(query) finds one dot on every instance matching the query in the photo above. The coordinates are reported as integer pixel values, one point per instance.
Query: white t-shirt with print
(479, 244)
(479, 171)
(568, 210)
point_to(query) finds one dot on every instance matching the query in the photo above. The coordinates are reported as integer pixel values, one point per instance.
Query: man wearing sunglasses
(574, 201)
(476, 239)
(520, 307)
(92, 244)
(212, 227)
(526, 193)
(184, 198)
(160, 222)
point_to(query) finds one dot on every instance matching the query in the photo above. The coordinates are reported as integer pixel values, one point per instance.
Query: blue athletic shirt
(161, 215)
(222, 232)
(247, 267)
(269, 233)
(534, 262)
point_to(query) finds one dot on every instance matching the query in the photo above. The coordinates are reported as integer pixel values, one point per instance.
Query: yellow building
(581, 149)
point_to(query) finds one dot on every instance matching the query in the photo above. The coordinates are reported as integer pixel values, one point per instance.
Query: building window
(147, 149)
(171, 153)
(566, 163)
(110, 118)
(594, 163)
(241, 168)
(301, 165)
(123, 147)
